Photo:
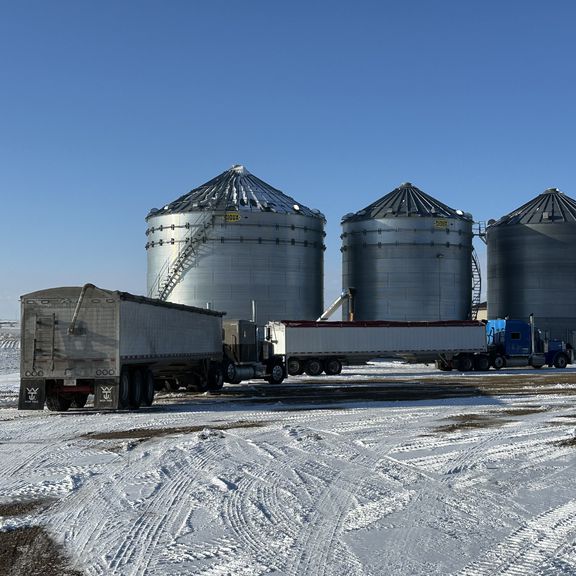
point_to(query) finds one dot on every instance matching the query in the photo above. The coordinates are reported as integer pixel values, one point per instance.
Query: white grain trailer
(316, 347)
(77, 341)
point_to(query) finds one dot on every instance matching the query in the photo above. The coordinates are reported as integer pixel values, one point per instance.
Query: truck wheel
(230, 373)
(499, 362)
(215, 379)
(135, 389)
(481, 363)
(276, 373)
(314, 367)
(58, 402)
(333, 367)
(560, 361)
(124, 389)
(78, 400)
(148, 389)
(295, 367)
(464, 364)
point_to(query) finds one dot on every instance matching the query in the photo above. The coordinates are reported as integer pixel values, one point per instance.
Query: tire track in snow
(151, 515)
(141, 543)
(530, 547)
(319, 537)
(255, 510)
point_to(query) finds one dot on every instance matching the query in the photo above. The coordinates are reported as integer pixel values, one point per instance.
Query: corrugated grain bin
(235, 240)
(409, 257)
(532, 263)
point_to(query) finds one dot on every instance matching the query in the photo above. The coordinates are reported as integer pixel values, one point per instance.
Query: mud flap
(32, 395)
(106, 395)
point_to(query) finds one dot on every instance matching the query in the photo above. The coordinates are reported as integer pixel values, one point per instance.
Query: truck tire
(58, 402)
(295, 367)
(276, 371)
(124, 389)
(333, 367)
(79, 400)
(560, 361)
(444, 365)
(230, 373)
(498, 362)
(314, 367)
(215, 378)
(481, 363)
(464, 363)
(135, 389)
(148, 389)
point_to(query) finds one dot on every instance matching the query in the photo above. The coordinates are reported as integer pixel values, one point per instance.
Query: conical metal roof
(406, 200)
(236, 189)
(550, 206)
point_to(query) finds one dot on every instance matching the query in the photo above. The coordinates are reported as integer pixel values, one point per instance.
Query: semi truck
(323, 347)
(77, 341)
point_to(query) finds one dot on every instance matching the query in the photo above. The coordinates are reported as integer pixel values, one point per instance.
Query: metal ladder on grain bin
(173, 270)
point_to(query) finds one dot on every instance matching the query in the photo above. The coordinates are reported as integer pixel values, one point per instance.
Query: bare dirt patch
(522, 411)
(567, 443)
(142, 434)
(472, 421)
(22, 508)
(31, 552)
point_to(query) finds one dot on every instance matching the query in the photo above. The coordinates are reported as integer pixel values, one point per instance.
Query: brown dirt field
(147, 433)
(30, 551)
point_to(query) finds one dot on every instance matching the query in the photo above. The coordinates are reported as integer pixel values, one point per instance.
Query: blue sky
(109, 108)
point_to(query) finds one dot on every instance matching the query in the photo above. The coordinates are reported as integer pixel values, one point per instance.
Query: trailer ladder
(476, 285)
(173, 270)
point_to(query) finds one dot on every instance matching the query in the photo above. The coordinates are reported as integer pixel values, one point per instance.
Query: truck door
(517, 339)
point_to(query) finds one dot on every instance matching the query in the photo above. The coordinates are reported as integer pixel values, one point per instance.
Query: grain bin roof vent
(406, 200)
(550, 206)
(238, 189)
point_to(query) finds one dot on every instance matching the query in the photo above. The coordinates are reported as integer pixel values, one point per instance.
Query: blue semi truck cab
(519, 343)
(511, 343)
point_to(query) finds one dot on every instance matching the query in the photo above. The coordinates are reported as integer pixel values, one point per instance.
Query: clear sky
(109, 108)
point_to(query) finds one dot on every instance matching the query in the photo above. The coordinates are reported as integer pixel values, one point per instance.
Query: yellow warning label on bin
(441, 223)
(232, 217)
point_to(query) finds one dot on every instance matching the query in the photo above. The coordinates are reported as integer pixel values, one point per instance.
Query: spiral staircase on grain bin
(173, 269)
(480, 231)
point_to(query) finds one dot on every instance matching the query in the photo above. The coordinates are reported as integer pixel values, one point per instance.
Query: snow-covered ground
(211, 486)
